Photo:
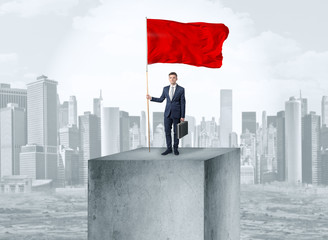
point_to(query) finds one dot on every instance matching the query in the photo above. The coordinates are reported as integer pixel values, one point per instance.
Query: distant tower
(233, 140)
(69, 136)
(63, 114)
(72, 111)
(311, 158)
(110, 130)
(97, 108)
(124, 131)
(89, 143)
(13, 136)
(281, 161)
(225, 116)
(134, 132)
(249, 122)
(293, 133)
(143, 135)
(39, 158)
(304, 105)
(97, 105)
(324, 110)
(12, 95)
(189, 139)
(264, 133)
(158, 130)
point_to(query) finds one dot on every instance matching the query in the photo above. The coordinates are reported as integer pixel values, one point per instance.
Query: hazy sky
(274, 49)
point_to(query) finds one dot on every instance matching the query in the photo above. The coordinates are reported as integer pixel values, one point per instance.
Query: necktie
(171, 93)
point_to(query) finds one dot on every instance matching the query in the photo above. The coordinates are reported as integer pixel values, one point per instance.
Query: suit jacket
(177, 107)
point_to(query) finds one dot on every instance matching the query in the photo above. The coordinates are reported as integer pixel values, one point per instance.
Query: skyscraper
(304, 105)
(324, 110)
(97, 105)
(69, 136)
(249, 122)
(272, 149)
(233, 140)
(281, 163)
(12, 95)
(89, 143)
(72, 111)
(110, 130)
(63, 114)
(264, 137)
(225, 116)
(311, 157)
(41, 130)
(159, 130)
(134, 132)
(124, 131)
(189, 139)
(69, 160)
(293, 145)
(13, 136)
(143, 135)
(272, 120)
(324, 167)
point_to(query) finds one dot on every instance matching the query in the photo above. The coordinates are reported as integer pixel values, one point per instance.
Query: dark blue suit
(174, 110)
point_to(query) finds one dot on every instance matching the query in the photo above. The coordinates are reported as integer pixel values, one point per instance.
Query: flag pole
(147, 84)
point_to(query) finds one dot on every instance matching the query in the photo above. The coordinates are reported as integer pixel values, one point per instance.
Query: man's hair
(173, 73)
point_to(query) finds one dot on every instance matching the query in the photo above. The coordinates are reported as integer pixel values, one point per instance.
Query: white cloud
(8, 57)
(8, 66)
(108, 50)
(36, 7)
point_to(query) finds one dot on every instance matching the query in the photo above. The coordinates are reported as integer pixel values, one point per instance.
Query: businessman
(174, 111)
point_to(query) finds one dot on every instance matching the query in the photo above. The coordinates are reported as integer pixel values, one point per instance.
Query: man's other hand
(148, 96)
(182, 119)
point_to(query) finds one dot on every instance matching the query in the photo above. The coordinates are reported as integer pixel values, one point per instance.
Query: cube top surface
(190, 154)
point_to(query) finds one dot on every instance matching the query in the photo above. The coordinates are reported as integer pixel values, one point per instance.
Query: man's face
(173, 79)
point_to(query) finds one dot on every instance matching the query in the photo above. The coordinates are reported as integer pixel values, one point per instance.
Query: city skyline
(83, 42)
(287, 146)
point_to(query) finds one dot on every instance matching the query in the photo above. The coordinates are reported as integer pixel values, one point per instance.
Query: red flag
(196, 43)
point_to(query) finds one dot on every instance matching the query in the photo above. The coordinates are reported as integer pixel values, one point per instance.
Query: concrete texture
(143, 195)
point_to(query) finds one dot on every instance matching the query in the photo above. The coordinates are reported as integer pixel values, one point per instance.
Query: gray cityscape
(268, 102)
(45, 144)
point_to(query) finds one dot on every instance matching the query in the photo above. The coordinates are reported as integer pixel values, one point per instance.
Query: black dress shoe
(167, 152)
(176, 152)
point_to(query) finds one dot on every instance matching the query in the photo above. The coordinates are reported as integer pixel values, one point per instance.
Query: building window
(12, 188)
(21, 188)
(2, 188)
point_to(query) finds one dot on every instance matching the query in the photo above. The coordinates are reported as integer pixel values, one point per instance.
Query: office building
(69, 136)
(124, 131)
(134, 132)
(89, 143)
(72, 111)
(311, 156)
(13, 136)
(110, 130)
(225, 116)
(249, 122)
(39, 157)
(159, 139)
(281, 161)
(293, 137)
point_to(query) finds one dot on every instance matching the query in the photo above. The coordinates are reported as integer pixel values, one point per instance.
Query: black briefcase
(182, 129)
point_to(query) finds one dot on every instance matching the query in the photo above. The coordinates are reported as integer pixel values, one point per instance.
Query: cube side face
(146, 200)
(222, 197)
